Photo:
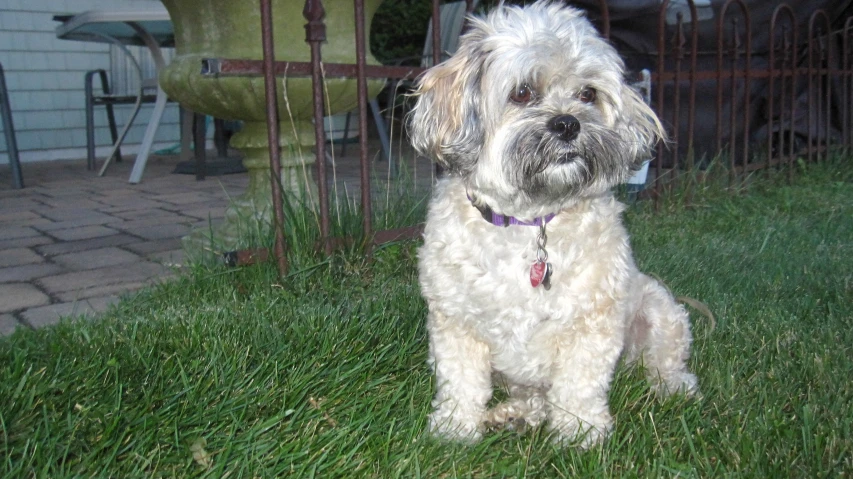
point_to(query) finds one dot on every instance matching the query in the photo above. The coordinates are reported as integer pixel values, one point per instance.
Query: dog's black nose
(566, 127)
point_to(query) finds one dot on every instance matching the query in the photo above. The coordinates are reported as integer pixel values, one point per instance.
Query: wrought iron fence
(774, 90)
(788, 99)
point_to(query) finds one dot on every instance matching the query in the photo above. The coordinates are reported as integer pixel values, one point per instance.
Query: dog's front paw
(679, 382)
(516, 415)
(571, 430)
(455, 426)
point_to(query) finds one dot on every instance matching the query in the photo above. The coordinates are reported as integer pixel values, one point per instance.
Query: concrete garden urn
(232, 29)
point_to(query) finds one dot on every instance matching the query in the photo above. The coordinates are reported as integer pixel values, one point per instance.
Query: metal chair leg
(199, 134)
(345, 138)
(383, 134)
(9, 130)
(381, 129)
(111, 119)
(186, 133)
(219, 138)
(90, 116)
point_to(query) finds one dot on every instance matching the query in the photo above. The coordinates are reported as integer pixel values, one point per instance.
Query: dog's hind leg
(463, 380)
(659, 333)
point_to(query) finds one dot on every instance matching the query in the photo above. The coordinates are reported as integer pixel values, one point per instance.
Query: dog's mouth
(567, 158)
(552, 159)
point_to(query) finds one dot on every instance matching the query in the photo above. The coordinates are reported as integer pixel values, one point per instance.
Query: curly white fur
(555, 349)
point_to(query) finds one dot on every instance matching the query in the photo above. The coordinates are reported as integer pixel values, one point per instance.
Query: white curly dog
(526, 265)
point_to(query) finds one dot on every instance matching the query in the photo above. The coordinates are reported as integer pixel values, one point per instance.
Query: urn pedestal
(232, 29)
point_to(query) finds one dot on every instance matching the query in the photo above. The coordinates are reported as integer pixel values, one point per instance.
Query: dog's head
(533, 111)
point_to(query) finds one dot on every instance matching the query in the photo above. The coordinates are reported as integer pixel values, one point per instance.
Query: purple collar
(502, 220)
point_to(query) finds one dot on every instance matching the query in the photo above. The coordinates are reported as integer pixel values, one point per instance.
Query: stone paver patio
(71, 243)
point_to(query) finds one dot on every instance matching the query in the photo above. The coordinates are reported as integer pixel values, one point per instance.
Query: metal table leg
(148, 138)
(159, 106)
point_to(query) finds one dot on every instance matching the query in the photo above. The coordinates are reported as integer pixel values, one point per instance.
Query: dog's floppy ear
(444, 123)
(642, 123)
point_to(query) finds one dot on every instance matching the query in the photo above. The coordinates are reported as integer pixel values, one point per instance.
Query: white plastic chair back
(451, 21)
(124, 79)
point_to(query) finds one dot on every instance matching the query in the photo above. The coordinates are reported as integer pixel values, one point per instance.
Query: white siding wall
(44, 76)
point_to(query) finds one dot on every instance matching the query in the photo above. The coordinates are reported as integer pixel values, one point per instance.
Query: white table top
(87, 26)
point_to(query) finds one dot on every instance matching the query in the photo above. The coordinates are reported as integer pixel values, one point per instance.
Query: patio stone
(86, 244)
(70, 201)
(103, 290)
(182, 198)
(28, 272)
(66, 213)
(8, 324)
(96, 258)
(145, 214)
(12, 200)
(26, 242)
(108, 280)
(78, 193)
(170, 258)
(102, 303)
(119, 190)
(95, 218)
(123, 204)
(15, 296)
(13, 232)
(160, 231)
(163, 189)
(154, 246)
(157, 218)
(83, 232)
(53, 313)
(19, 256)
(17, 216)
(204, 211)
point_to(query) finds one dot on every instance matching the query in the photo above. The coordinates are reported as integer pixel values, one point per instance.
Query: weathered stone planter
(232, 29)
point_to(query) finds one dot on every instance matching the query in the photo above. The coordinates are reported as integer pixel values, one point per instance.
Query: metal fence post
(271, 96)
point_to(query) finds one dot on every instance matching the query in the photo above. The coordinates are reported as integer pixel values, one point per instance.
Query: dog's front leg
(463, 380)
(583, 368)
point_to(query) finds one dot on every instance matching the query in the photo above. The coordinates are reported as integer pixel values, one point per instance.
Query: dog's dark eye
(522, 94)
(587, 95)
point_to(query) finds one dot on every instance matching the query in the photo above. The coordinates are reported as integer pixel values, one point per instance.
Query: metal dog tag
(540, 273)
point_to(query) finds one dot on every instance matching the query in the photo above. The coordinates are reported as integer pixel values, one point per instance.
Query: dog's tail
(694, 303)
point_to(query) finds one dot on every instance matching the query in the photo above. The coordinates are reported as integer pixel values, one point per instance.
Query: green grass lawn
(238, 373)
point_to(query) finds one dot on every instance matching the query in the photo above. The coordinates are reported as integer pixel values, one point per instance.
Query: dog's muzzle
(566, 129)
